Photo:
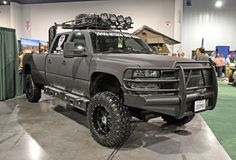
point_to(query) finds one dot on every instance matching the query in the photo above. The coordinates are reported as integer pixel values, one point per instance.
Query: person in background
(223, 66)
(179, 54)
(200, 56)
(21, 58)
(219, 64)
(212, 58)
(174, 54)
(228, 60)
(207, 55)
(227, 65)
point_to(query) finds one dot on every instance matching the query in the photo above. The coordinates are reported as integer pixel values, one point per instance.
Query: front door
(75, 70)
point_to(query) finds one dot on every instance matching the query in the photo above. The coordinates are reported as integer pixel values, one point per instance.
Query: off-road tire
(119, 119)
(32, 90)
(179, 122)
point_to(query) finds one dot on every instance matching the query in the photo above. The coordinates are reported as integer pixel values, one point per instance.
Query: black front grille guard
(181, 81)
(212, 86)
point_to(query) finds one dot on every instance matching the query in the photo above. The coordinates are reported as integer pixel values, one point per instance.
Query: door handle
(64, 62)
(49, 61)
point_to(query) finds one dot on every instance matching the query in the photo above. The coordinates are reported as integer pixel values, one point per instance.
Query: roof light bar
(94, 21)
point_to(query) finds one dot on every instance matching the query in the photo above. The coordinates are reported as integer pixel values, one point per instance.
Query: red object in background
(168, 23)
(27, 25)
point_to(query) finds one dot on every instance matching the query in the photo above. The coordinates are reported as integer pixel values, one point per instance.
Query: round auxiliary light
(113, 18)
(120, 19)
(104, 16)
(128, 20)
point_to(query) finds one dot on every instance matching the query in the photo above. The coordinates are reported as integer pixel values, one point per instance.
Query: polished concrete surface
(51, 130)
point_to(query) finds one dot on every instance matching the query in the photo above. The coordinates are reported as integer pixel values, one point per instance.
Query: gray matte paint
(74, 74)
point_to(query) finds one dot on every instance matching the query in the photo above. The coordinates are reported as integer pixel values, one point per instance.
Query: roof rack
(94, 21)
(103, 21)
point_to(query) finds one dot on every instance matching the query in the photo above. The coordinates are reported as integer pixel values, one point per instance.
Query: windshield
(107, 42)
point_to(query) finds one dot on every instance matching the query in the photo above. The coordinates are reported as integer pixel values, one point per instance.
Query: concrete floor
(51, 131)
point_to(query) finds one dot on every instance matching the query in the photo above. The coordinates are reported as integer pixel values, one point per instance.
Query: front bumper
(180, 104)
(169, 105)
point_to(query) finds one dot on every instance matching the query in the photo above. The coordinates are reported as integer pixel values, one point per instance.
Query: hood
(145, 60)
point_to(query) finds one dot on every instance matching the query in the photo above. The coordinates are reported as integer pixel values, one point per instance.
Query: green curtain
(10, 79)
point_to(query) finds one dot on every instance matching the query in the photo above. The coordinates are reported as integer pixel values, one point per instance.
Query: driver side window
(79, 40)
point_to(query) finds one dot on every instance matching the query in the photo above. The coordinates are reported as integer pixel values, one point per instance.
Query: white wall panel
(178, 23)
(16, 18)
(5, 19)
(153, 13)
(215, 25)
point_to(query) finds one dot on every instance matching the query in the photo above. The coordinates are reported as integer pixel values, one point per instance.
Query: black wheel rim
(102, 121)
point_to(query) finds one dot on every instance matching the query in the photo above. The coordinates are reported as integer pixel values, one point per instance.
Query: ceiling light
(4, 2)
(219, 4)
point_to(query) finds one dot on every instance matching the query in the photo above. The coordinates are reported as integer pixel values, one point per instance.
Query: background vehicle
(114, 75)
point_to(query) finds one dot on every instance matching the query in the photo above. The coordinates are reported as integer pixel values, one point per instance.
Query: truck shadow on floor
(156, 136)
(73, 113)
(146, 135)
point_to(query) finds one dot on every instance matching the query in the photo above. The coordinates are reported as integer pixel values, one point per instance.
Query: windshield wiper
(115, 51)
(144, 52)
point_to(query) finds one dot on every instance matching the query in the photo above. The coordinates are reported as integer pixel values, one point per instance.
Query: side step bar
(74, 100)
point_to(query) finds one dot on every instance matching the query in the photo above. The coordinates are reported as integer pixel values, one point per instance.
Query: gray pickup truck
(114, 76)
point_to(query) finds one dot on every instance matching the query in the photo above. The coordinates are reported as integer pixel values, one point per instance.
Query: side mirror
(72, 50)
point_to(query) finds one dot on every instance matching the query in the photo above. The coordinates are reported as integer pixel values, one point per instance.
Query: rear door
(54, 63)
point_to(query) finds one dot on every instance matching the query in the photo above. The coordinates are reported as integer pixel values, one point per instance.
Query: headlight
(142, 81)
(146, 74)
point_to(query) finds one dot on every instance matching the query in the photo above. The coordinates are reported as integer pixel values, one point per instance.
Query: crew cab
(113, 76)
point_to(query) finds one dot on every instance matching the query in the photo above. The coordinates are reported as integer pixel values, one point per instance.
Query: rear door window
(58, 46)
